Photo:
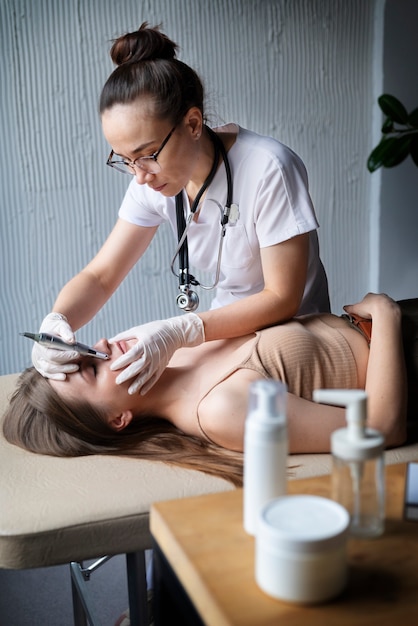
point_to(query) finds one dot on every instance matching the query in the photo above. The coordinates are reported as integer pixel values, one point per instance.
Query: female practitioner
(242, 200)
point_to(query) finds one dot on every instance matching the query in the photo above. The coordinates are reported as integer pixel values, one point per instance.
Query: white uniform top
(270, 188)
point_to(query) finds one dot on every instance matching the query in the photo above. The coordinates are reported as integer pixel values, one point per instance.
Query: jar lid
(303, 523)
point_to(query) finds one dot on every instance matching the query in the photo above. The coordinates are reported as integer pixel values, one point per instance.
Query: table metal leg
(137, 588)
(83, 606)
(82, 603)
(171, 602)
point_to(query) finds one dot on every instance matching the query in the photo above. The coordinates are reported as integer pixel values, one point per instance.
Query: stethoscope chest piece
(187, 300)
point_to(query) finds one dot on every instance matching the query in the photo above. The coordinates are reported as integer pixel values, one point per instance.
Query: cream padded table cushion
(57, 510)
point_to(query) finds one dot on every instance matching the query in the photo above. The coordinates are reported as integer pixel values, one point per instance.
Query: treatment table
(56, 511)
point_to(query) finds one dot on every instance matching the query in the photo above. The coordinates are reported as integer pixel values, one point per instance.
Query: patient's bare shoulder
(223, 411)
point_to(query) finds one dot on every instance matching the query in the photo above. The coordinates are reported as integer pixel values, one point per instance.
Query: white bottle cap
(267, 411)
(267, 399)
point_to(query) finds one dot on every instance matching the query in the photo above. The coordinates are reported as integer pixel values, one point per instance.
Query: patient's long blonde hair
(38, 420)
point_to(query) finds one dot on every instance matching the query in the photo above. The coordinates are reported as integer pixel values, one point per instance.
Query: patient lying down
(194, 415)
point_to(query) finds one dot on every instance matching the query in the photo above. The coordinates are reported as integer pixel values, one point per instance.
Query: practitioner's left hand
(157, 342)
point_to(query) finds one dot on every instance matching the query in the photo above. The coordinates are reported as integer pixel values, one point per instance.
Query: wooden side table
(204, 566)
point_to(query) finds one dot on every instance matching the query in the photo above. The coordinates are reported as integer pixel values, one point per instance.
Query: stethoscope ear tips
(188, 301)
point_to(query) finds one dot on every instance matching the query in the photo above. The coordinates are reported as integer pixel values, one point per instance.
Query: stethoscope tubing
(185, 279)
(220, 248)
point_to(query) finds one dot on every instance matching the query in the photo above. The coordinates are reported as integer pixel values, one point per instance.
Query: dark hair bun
(144, 44)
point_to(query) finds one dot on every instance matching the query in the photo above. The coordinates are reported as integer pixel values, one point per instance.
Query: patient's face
(95, 381)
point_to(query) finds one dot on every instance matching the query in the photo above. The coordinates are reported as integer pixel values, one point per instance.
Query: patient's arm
(222, 417)
(386, 373)
(223, 412)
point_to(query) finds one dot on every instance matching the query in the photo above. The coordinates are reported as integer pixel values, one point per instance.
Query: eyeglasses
(147, 163)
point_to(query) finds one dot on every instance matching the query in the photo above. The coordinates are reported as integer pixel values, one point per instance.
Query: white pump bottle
(358, 463)
(265, 448)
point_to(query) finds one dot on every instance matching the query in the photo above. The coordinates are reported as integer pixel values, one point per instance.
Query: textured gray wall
(398, 242)
(303, 71)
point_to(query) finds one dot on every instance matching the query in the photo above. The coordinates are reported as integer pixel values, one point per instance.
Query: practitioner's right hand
(55, 364)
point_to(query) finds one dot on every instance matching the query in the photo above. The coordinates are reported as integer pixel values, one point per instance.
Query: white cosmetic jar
(300, 552)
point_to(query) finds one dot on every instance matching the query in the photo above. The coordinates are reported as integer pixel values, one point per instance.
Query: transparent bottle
(358, 479)
(265, 448)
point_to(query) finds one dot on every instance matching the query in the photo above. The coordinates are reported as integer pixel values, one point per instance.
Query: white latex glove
(55, 363)
(157, 342)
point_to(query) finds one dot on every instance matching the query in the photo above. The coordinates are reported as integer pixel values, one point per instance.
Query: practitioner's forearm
(80, 299)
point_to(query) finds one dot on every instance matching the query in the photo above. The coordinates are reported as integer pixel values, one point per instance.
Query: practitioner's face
(132, 131)
(96, 382)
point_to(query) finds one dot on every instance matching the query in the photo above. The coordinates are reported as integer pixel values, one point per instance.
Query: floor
(42, 597)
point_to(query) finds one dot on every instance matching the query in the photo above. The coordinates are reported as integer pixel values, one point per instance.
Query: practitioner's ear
(193, 120)
(121, 421)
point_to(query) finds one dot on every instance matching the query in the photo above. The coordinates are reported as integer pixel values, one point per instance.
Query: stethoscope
(187, 299)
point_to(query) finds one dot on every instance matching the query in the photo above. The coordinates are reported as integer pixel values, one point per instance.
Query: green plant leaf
(387, 126)
(389, 152)
(397, 142)
(414, 150)
(413, 118)
(393, 108)
(380, 153)
(400, 150)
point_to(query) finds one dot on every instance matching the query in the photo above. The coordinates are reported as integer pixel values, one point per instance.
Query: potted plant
(399, 135)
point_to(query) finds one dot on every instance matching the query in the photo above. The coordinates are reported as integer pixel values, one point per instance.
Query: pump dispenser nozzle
(357, 447)
(356, 402)
(356, 442)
